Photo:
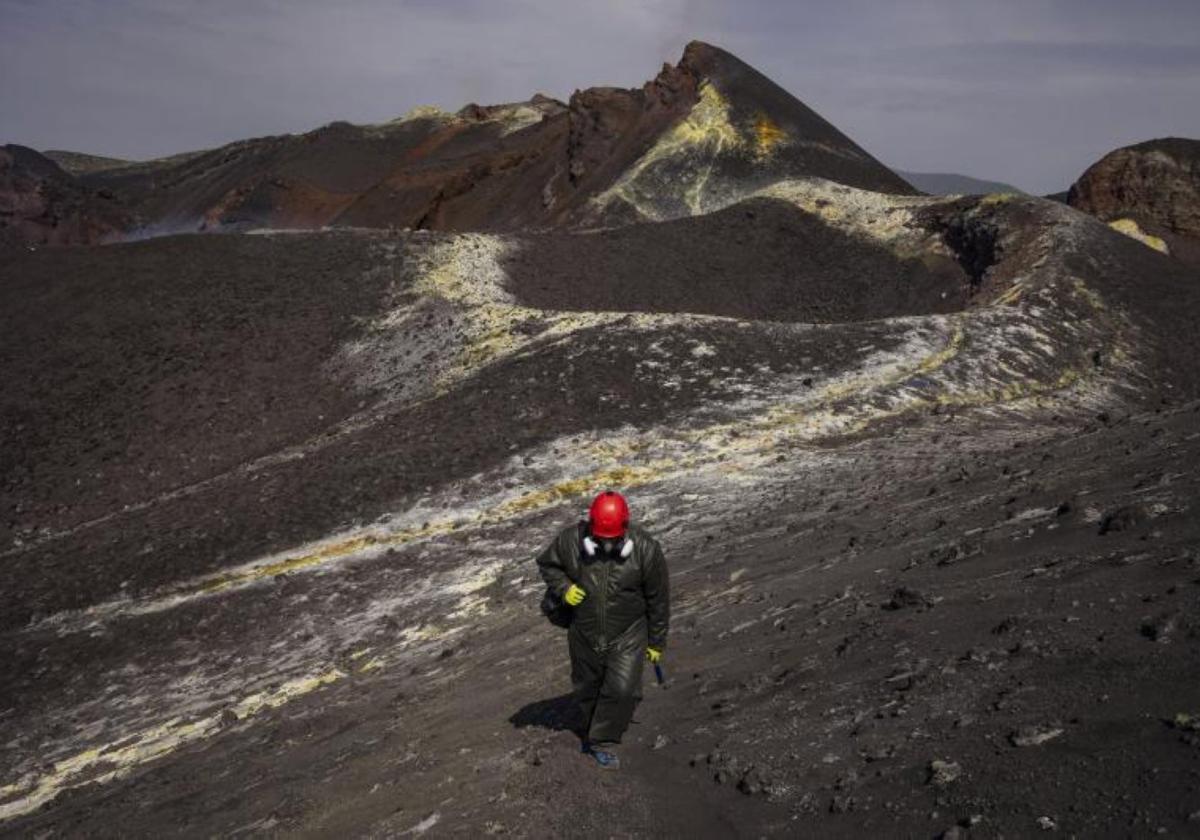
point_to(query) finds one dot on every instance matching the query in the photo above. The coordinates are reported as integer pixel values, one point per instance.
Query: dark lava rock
(841, 804)
(753, 782)
(881, 753)
(943, 773)
(748, 779)
(1162, 627)
(947, 555)
(1034, 736)
(905, 597)
(1186, 722)
(1007, 625)
(724, 766)
(1124, 518)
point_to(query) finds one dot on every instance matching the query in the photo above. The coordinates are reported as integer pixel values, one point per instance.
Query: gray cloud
(1028, 91)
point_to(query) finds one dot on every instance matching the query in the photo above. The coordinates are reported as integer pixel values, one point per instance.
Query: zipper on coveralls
(604, 564)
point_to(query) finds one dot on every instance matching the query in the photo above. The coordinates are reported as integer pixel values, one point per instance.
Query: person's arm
(552, 567)
(656, 588)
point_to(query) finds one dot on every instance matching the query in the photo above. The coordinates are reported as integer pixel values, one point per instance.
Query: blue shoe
(606, 760)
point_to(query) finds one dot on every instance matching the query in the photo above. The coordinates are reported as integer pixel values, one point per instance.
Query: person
(614, 576)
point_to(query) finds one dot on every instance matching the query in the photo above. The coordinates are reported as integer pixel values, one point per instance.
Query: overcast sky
(1024, 91)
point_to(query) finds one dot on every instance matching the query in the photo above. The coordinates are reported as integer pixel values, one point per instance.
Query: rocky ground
(271, 505)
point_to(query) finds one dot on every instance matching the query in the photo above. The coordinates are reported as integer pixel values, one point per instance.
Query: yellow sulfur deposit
(767, 135)
(1132, 229)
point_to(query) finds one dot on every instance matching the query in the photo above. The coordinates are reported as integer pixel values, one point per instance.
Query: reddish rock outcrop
(40, 204)
(1156, 184)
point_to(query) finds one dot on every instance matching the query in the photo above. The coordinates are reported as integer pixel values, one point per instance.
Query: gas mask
(613, 548)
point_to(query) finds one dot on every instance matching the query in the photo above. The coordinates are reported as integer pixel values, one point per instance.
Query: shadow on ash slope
(975, 307)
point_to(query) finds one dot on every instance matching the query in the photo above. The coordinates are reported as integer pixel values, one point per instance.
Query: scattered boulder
(1034, 736)
(1186, 722)
(905, 597)
(943, 773)
(725, 767)
(753, 782)
(1161, 628)
(747, 778)
(807, 804)
(947, 555)
(1008, 625)
(846, 782)
(880, 753)
(841, 804)
(1124, 518)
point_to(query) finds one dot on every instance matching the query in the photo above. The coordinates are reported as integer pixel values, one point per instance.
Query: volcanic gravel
(761, 259)
(958, 623)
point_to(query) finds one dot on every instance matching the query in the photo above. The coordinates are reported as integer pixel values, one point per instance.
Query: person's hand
(654, 655)
(574, 595)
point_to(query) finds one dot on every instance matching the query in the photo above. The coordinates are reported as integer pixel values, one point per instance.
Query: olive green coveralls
(627, 607)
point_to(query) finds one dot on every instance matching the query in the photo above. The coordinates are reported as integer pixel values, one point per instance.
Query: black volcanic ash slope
(762, 259)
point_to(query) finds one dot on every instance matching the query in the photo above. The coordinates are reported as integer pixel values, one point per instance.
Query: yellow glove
(574, 595)
(654, 655)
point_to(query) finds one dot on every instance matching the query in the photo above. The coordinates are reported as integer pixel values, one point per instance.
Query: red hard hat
(608, 515)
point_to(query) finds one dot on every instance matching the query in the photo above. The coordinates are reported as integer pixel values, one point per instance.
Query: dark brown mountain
(40, 204)
(703, 133)
(1152, 188)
